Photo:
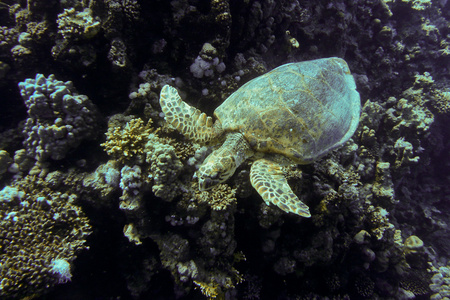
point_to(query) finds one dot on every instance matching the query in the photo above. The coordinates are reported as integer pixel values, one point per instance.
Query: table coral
(58, 117)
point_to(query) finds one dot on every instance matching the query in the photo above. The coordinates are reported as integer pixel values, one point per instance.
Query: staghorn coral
(210, 290)
(37, 32)
(40, 226)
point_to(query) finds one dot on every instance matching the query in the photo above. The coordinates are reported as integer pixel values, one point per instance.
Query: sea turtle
(295, 113)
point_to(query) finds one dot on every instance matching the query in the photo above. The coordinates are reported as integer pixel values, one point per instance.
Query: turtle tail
(188, 120)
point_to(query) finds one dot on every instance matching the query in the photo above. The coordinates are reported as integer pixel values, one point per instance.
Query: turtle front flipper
(268, 179)
(188, 120)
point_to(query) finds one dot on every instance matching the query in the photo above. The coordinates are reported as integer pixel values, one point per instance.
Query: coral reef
(379, 225)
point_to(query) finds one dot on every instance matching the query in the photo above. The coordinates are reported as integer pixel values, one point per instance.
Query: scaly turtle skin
(295, 113)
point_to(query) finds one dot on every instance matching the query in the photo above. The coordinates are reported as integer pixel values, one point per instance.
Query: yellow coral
(425, 79)
(38, 224)
(78, 24)
(413, 244)
(441, 101)
(419, 4)
(322, 208)
(210, 290)
(127, 142)
(428, 27)
(219, 197)
(445, 48)
(214, 290)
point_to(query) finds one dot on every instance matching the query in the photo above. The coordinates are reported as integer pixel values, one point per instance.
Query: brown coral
(125, 142)
(220, 197)
(38, 227)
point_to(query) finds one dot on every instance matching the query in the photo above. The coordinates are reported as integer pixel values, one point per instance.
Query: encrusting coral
(40, 226)
(75, 25)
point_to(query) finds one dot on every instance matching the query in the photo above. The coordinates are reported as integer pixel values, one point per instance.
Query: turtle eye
(214, 175)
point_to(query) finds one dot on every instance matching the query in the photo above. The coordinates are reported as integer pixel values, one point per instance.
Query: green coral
(428, 27)
(419, 4)
(8, 37)
(423, 79)
(76, 25)
(440, 100)
(440, 283)
(5, 161)
(165, 167)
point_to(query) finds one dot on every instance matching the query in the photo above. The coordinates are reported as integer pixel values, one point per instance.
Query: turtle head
(214, 170)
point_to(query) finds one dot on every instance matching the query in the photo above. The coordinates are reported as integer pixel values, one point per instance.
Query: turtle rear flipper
(188, 120)
(268, 179)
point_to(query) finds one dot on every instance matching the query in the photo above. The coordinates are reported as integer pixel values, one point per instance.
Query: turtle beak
(205, 184)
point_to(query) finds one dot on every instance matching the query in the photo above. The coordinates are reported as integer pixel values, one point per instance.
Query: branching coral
(125, 142)
(220, 197)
